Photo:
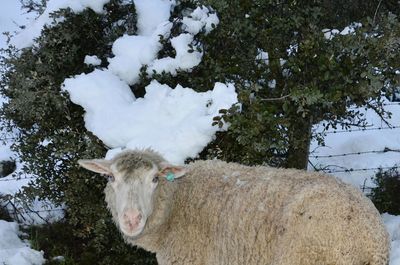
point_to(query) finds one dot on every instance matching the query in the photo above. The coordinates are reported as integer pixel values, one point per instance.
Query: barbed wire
(356, 169)
(23, 210)
(383, 104)
(363, 129)
(16, 179)
(385, 150)
(391, 104)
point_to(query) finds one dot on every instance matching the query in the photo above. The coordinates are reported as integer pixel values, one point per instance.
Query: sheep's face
(132, 196)
(131, 188)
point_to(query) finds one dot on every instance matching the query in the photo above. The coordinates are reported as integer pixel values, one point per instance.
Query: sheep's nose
(132, 218)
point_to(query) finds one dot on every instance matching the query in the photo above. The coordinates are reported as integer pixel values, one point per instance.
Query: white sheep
(218, 213)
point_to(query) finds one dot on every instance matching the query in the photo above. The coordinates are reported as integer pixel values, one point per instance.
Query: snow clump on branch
(175, 122)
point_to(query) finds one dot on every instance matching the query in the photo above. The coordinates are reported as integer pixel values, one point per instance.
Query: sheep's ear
(171, 172)
(100, 166)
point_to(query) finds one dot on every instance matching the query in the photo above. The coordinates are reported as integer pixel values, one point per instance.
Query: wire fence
(23, 213)
(357, 169)
(385, 150)
(22, 210)
(363, 129)
(19, 212)
(383, 104)
(17, 178)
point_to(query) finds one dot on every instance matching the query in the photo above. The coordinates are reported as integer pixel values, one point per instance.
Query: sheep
(217, 213)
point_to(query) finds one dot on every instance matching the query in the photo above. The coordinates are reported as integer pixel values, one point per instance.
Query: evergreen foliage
(385, 195)
(52, 136)
(308, 78)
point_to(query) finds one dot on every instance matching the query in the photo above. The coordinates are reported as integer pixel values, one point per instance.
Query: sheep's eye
(155, 179)
(110, 178)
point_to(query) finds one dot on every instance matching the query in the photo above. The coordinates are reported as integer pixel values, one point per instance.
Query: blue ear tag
(170, 176)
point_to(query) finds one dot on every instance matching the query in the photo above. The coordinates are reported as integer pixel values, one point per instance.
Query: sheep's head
(134, 176)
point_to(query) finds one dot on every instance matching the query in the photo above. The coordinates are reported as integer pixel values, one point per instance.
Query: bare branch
(379, 114)
(376, 11)
(275, 99)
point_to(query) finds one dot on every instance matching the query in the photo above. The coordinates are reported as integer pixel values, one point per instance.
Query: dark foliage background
(385, 195)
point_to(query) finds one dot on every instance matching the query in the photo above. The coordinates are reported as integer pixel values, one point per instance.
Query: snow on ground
(392, 224)
(11, 17)
(377, 148)
(14, 251)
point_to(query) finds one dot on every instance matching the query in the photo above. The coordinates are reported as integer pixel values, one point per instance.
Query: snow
(26, 37)
(11, 17)
(92, 60)
(200, 18)
(151, 14)
(263, 56)
(131, 53)
(183, 60)
(360, 141)
(392, 224)
(175, 122)
(14, 251)
(329, 34)
(272, 83)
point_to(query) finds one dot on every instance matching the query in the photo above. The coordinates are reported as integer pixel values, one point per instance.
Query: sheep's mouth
(133, 233)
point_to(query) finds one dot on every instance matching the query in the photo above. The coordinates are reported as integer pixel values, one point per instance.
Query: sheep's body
(228, 214)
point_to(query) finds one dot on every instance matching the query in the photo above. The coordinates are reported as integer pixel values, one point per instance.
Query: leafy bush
(58, 240)
(52, 136)
(306, 79)
(385, 195)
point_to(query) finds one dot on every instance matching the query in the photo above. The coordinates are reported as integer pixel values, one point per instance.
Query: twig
(379, 114)
(17, 212)
(37, 213)
(376, 12)
(275, 99)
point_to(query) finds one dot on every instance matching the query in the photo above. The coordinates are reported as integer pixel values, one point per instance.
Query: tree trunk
(299, 143)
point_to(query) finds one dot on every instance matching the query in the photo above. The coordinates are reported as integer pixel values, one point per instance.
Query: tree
(307, 77)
